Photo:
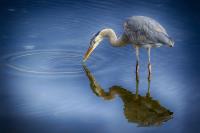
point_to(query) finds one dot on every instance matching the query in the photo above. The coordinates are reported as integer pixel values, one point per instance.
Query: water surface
(45, 88)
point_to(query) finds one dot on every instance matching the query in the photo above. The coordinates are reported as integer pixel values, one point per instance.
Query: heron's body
(145, 32)
(140, 31)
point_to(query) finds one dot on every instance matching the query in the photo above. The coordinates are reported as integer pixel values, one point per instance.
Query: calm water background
(43, 87)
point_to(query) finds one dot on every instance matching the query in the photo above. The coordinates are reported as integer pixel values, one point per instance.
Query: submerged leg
(137, 89)
(137, 63)
(148, 92)
(149, 64)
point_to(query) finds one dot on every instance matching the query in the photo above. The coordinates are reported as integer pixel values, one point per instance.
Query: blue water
(44, 87)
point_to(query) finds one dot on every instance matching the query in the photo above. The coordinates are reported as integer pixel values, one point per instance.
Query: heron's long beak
(88, 53)
(94, 42)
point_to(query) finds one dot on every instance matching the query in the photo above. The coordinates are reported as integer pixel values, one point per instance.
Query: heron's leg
(148, 92)
(149, 64)
(137, 89)
(137, 63)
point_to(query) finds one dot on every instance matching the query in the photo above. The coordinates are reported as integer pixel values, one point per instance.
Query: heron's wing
(155, 26)
(143, 29)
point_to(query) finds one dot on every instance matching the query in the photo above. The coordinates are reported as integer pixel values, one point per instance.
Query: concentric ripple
(54, 62)
(50, 62)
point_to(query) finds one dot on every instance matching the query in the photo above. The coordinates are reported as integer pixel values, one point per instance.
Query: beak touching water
(88, 53)
(94, 42)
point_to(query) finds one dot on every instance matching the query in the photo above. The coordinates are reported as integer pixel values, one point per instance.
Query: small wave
(48, 62)
(55, 61)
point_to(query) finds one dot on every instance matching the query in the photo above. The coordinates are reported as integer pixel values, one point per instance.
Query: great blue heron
(140, 31)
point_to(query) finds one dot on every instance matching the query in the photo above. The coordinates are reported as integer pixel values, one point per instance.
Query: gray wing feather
(142, 29)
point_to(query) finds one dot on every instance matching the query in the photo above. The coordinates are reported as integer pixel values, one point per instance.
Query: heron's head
(94, 42)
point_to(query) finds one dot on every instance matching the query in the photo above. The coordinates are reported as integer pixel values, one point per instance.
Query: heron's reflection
(143, 110)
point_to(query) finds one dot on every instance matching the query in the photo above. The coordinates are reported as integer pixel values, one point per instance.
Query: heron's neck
(112, 37)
